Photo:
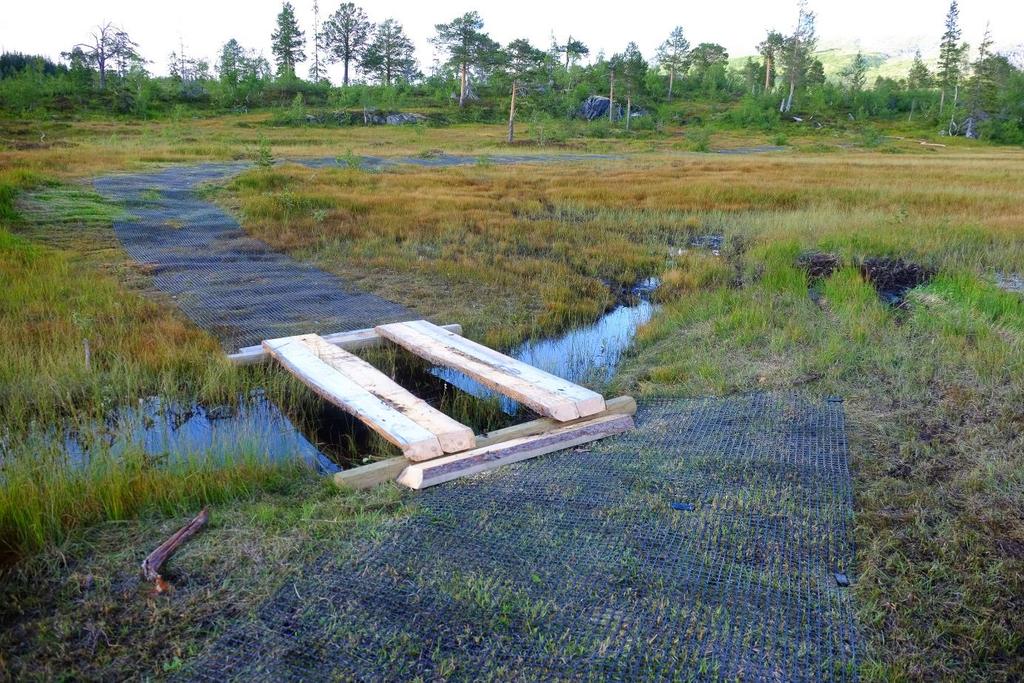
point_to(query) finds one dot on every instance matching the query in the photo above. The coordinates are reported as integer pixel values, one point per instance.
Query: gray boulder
(401, 119)
(395, 118)
(596, 107)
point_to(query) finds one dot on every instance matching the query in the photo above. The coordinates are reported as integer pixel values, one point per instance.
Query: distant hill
(888, 61)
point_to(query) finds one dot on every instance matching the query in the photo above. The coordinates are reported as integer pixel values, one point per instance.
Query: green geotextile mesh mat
(713, 542)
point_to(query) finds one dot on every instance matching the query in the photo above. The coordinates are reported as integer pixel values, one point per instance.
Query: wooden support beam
(350, 341)
(545, 393)
(451, 434)
(367, 476)
(437, 471)
(302, 357)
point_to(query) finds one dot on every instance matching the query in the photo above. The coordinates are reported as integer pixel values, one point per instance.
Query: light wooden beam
(545, 393)
(439, 470)
(350, 341)
(367, 476)
(304, 357)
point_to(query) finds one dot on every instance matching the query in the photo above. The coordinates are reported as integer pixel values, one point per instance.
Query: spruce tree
(951, 54)
(287, 41)
(856, 72)
(919, 76)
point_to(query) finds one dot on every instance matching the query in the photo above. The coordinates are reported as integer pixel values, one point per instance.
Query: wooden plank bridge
(435, 447)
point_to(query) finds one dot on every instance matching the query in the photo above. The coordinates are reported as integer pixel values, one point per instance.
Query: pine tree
(467, 47)
(673, 55)
(771, 48)
(919, 76)
(390, 55)
(632, 70)
(346, 34)
(951, 54)
(287, 41)
(109, 44)
(522, 62)
(573, 50)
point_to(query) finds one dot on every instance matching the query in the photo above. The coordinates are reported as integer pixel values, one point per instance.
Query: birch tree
(796, 52)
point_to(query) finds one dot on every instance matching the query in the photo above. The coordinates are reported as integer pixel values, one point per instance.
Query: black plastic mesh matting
(234, 286)
(703, 545)
(237, 287)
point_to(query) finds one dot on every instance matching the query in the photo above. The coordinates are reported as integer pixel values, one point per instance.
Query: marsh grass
(933, 389)
(79, 339)
(933, 392)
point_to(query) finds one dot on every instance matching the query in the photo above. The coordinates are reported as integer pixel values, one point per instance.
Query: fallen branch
(151, 565)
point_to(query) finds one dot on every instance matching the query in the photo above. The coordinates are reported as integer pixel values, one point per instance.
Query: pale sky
(50, 26)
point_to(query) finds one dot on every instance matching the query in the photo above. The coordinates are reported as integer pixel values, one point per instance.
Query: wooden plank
(350, 341)
(366, 476)
(543, 392)
(622, 405)
(588, 402)
(416, 441)
(451, 434)
(424, 474)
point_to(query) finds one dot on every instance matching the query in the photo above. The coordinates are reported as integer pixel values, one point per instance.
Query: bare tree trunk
(671, 80)
(913, 103)
(344, 80)
(942, 100)
(462, 87)
(629, 108)
(792, 89)
(611, 98)
(512, 115)
(952, 113)
(767, 71)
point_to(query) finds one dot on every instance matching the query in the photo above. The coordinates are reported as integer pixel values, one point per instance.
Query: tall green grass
(43, 497)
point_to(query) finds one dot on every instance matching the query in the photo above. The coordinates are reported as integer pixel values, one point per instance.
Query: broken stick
(151, 565)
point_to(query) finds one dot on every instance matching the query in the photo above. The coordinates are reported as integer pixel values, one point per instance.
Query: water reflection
(586, 355)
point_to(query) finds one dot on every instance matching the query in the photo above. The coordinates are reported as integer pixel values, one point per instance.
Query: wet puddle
(174, 431)
(1010, 282)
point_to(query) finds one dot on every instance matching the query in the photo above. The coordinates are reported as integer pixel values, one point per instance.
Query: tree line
(972, 92)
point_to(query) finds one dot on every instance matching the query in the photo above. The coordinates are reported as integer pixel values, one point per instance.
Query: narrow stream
(168, 431)
(586, 355)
